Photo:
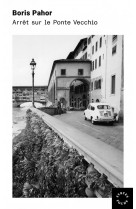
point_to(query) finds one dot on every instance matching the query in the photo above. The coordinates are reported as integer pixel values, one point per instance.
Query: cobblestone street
(112, 135)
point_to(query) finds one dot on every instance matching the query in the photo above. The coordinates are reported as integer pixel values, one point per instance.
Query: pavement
(112, 135)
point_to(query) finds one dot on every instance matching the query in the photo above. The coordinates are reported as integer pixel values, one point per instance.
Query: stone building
(69, 82)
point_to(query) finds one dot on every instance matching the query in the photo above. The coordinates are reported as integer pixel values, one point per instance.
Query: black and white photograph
(67, 104)
(68, 113)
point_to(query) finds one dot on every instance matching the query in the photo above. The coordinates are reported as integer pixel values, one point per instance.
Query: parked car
(99, 112)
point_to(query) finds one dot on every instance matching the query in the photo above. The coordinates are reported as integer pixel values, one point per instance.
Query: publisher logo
(122, 198)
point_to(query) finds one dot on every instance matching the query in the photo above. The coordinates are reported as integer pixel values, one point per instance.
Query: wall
(52, 88)
(72, 68)
(62, 83)
(110, 65)
(121, 113)
(49, 110)
(99, 72)
(114, 67)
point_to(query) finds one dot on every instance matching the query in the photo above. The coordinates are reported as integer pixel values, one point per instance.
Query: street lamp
(33, 65)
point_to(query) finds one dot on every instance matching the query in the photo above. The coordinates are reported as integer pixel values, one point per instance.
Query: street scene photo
(68, 116)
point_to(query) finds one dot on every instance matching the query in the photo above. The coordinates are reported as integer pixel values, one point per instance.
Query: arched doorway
(79, 94)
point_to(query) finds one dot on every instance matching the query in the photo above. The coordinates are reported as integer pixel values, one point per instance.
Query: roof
(70, 55)
(79, 44)
(66, 61)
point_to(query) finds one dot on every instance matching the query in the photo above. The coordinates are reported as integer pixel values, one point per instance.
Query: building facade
(69, 82)
(106, 53)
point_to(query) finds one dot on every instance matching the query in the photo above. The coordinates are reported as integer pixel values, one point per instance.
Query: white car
(99, 112)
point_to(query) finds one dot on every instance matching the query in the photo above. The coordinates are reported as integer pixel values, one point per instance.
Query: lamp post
(33, 65)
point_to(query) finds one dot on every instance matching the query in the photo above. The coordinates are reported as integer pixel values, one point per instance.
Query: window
(89, 40)
(100, 42)
(96, 46)
(113, 78)
(114, 50)
(96, 64)
(92, 49)
(99, 61)
(91, 86)
(114, 37)
(92, 66)
(85, 56)
(63, 71)
(92, 108)
(97, 84)
(80, 71)
(103, 107)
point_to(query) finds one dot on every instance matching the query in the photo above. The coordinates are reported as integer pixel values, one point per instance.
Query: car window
(92, 108)
(103, 107)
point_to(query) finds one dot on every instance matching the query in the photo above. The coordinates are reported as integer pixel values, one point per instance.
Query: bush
(44, 165)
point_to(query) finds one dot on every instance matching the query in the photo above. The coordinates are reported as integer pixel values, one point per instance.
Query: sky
(44, 49)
